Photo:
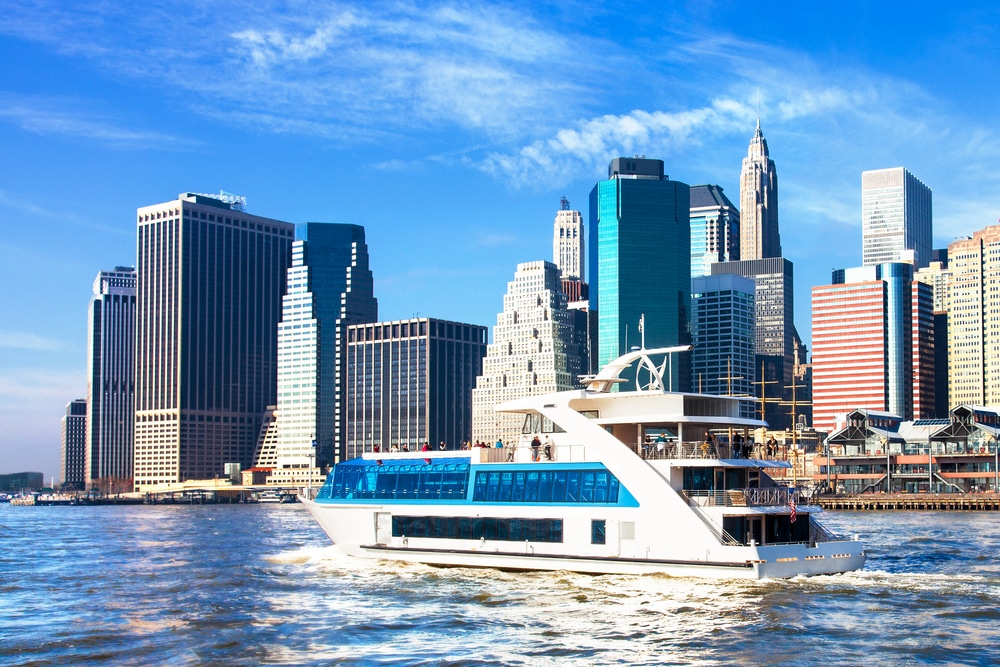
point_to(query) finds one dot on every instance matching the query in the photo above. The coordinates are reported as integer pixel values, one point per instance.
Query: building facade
(973, 332)
(568, 243)
(73, 446)
(409, 382)
(535, 350)
(640, 262)
(775, 333)
(210, 278)
(111, 381)
(723, 330)
(329, 288)
(759, 237)
(896, 218)
(873, 345)
(715, 229)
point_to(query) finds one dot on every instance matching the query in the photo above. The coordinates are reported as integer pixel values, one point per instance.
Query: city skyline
(450, 137)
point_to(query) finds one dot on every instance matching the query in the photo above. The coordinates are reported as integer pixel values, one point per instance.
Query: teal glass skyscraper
(640, 261)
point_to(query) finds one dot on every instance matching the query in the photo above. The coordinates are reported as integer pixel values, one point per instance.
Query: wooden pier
(958, 502)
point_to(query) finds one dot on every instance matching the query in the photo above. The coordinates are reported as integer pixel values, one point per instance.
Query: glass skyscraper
(715, 229)
(896, 218)
(111, 380)
(640, 262)
(329, 287)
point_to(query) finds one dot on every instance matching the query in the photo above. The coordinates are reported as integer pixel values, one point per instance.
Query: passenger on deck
(661, 445)
(536, 445)
(498, 444)
(547, 449)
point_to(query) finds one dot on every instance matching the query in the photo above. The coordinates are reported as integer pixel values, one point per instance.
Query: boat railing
(772, 496)
(694, 450)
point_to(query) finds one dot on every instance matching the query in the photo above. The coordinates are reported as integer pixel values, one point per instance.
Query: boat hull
(353, 529)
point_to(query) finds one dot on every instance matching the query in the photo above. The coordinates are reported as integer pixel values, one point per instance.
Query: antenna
(758, 107)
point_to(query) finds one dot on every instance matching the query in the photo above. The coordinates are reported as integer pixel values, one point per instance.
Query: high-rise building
(775, 331)
(973, 333)
(568, 242)
(410, 382)
(73, 448)
(535, 350)
(723, 330)
(329, 288)
(759, 237)
(873, 345)
(896, 218)
(208, 303)
(640, 262)
(111, 380)
(715, 229)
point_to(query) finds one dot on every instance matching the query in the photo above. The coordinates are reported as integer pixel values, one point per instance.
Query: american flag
(791, 506)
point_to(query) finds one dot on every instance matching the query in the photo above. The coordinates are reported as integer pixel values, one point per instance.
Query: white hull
(353, 529)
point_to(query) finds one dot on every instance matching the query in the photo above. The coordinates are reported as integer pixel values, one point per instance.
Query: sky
(450, 131)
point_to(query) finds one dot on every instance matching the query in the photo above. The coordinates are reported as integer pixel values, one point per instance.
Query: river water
(261, 585)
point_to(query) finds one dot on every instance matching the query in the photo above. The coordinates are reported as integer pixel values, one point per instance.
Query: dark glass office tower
(111, 381)
(640, 262)
(208, 302)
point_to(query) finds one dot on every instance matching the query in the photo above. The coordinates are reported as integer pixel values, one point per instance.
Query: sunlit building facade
(208, 301)
(759, 235)
(896, 218)
(715, 229)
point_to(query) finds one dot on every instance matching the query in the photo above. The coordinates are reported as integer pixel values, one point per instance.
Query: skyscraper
(896, 218)
(640, 261)
(73, 449)
(775, 331)
(723, 332)
(715, 229)
(568, 242)
(759, 237)
(873, 344)
(973, 334)
(410, 382)
(208, 302)
(535, 350)
(329, 288)
(111, 380)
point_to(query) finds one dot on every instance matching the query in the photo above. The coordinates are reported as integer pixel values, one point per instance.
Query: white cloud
(18, 340)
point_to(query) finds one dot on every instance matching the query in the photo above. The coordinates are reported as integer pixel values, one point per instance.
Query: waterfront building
(73, 449)
(535, 350)
(640, 263)
(568, 243)
(877, 451)
(329, 288)
(759, 236)
(973, 335)
(410, 382)
(21, 481)
(111, 381)
(723, 330)
(715, 229)
(896, 218)
(873, 345)
(775, 331)
(208, 302)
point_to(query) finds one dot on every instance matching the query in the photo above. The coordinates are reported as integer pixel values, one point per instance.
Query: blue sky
(450, 131)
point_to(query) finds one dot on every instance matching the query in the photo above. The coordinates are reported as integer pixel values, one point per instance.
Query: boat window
(442, 479)
(547, 486)
(590, 414)
(598, 529)
(473, 528)
(698, 479)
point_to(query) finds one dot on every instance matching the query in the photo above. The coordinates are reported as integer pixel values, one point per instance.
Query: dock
(958, 502)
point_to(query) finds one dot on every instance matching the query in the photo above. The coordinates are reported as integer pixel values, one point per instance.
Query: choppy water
(260, 585)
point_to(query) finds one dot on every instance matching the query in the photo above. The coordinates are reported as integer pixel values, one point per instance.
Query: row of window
(475, 528)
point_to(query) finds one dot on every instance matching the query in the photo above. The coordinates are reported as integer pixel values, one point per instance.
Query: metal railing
(773, 496)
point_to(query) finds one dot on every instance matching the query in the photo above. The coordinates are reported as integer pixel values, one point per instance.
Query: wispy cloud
(15, 203)
(69, 119)
(18, 340)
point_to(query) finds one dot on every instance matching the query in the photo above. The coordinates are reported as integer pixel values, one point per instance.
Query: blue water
(261, 585)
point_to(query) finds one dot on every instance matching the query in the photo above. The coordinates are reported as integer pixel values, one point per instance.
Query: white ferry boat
(605, 500)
